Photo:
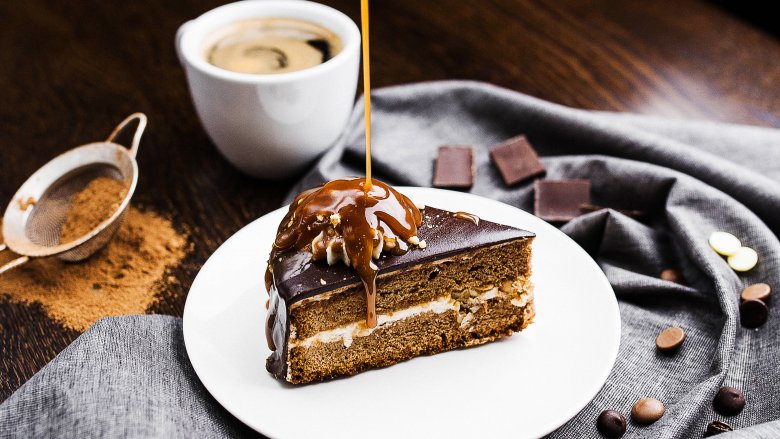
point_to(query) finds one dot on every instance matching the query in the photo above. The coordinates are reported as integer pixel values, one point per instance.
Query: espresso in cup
(271, 45)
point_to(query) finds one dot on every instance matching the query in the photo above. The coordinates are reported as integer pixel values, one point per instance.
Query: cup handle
(179, 34)
(139, 130)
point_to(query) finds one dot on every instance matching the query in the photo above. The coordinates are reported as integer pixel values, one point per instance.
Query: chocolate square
(560, 200)
(454, 167)
(516, 160)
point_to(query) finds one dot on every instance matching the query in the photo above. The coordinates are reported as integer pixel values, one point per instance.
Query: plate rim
(593, 390)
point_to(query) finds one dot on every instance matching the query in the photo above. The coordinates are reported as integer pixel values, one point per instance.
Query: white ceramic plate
(522, 386)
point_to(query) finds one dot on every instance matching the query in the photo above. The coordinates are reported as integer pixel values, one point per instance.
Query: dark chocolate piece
(517, 161)
(729, 401)
(717, 427)
(611, 424)
(560, 200)
(454, 167)
(296, 277)
(753, 313)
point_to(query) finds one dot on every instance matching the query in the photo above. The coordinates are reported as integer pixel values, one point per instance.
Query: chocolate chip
(724, 243)
(672, 275)
(560, 200)
(647, 411)
(760, 291)
(454, 167)
(717, 427)
(611, 424)
(516, 160)
(753, 313)
(729, 401)
(670, 339)
(743, 260)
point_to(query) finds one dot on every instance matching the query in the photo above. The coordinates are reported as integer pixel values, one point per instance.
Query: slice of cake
(453, 281)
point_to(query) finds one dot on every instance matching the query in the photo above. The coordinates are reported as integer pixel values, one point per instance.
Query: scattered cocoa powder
(122, 278)
(91, 206)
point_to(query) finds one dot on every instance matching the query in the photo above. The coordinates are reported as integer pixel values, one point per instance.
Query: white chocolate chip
(724, 243)
(743, 259)
(332, 257)
(316, 240)
(378, 249)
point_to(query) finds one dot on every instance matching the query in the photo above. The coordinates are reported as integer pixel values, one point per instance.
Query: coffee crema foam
(271, 46)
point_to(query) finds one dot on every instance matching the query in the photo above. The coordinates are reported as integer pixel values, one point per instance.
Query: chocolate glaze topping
(344, 220)
(293, 276)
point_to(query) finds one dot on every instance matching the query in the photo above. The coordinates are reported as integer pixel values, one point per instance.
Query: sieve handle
(139, 130)
(13, 264)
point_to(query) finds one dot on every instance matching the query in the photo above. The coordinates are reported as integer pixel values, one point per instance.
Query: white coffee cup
(271, 126)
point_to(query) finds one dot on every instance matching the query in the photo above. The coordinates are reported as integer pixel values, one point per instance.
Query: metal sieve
(36, 213)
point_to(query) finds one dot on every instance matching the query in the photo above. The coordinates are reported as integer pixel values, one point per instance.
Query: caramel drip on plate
(352, 220)
(467, 216)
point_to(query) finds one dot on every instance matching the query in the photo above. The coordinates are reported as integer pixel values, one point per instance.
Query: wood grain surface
(69, 71)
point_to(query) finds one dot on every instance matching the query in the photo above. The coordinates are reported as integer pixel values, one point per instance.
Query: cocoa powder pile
(122, 278)
(91, 206)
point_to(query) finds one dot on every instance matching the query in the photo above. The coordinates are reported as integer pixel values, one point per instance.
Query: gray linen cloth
(130, 376)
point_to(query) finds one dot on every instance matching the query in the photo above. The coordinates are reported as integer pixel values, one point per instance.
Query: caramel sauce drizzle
(467, 216)
(356, 220)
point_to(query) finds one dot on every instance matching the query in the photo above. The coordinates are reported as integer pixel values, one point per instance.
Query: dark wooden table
(69, 71)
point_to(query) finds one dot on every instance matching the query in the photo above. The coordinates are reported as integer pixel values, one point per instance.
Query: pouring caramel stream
(366, 87)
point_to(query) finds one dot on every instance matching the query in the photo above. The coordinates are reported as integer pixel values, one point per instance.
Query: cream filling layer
(347, 333)
(359, 329)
